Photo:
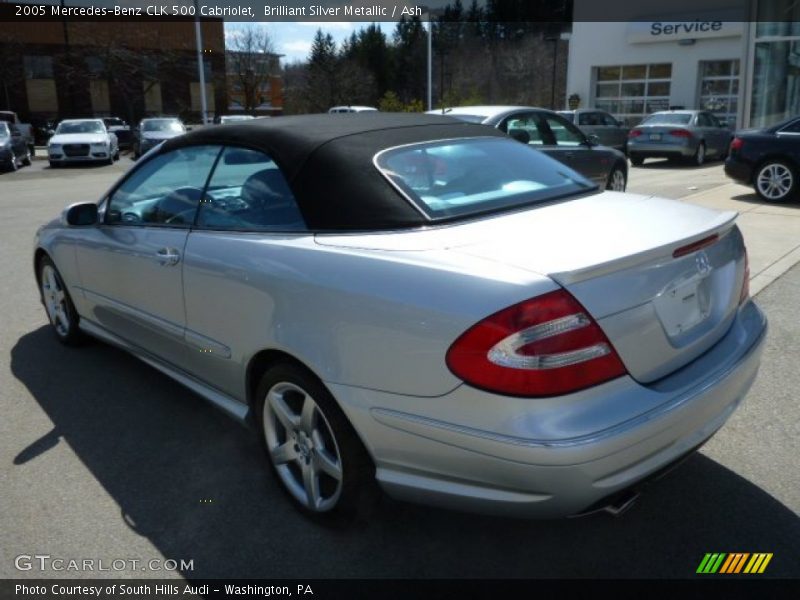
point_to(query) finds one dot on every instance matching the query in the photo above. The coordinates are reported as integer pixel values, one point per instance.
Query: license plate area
(684, 306)
(655, 137)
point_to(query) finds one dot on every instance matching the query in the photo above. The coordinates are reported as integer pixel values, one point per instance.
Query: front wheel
(636, 161)
(26, 160)
(57, 303)
(311, 446)
(775, 181)
(616, 180)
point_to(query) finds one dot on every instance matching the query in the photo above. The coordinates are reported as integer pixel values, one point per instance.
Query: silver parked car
(554, 135)
(693, 135)
(418, 301)
(82, 140)
(592, 121)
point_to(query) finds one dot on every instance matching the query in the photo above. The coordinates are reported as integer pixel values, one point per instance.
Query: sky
(293, 38)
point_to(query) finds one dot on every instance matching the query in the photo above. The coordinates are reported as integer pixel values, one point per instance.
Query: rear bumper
(738, 171)
(552, 457)
(662, 150)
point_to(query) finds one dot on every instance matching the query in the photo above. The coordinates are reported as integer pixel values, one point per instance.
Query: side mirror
(593, 139)
(81, 214)
(51, 132)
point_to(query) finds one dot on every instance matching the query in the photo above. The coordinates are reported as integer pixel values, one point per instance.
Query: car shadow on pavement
(678, 165)
(753, 198)
(196, 485)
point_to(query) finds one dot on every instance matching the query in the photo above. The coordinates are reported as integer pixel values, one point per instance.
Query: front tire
(311, 446)
(617, 181)
(58, 305)
(636, 161)
(26, 161)
(775, 181)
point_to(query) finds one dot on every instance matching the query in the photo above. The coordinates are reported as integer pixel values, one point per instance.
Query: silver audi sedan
(691, 135)
(419, 302)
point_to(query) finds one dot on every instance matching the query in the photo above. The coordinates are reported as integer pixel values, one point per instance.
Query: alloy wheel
(302, 447)
(55, 301)
(775, 181)
(617, 182)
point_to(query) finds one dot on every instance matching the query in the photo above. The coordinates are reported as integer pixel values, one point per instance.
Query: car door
(591, 123)
(18, 144)
(616, 134)
(131, 264)
(721, 135)
(240, 260)
(569, 145)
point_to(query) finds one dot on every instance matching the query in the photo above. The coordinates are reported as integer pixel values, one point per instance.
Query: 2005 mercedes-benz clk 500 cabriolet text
(416, 301)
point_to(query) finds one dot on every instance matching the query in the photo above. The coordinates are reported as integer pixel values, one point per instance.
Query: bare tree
(250, 55)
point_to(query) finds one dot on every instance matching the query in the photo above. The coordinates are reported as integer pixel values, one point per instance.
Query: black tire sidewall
(358, 472)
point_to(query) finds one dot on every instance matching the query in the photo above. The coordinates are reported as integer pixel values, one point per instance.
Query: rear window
(463, 177)
(669, 118)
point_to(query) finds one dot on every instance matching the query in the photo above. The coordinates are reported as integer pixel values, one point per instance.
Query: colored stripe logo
(734, 563)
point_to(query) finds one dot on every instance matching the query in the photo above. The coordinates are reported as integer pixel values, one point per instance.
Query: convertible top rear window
(463, 177)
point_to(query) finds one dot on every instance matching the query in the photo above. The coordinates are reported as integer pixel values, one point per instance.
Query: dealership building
(742, 61)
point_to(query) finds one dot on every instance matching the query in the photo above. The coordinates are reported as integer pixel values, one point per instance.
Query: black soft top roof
(327, 161)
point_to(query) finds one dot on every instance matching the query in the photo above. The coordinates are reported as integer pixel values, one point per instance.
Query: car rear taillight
(745, 294)
(634, 133)
(545, 346)
(736, 144)
(681, 133)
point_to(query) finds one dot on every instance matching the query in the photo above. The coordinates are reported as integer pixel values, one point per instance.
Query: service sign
(641, 32)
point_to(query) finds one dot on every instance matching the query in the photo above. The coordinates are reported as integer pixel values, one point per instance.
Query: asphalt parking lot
(102, 457)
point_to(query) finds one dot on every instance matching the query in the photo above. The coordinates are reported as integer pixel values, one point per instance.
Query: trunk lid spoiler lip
(721, 226)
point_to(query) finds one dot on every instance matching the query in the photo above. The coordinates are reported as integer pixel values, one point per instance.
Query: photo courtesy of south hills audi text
(159, 590)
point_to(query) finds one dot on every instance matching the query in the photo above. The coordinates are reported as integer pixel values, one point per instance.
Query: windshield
(170, 125)
(670, 118)
(4, 130)
(474, 175)
(81, 127)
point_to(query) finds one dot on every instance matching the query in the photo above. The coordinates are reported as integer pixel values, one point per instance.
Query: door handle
(168, 257)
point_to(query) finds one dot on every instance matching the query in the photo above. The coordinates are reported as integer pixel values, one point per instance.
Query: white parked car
(82, 140)
(351, 109)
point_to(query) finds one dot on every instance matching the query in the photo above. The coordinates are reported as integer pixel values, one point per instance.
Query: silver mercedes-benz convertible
(417, 301)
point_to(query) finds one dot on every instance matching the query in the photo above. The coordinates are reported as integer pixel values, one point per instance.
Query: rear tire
(58, 304)
(26, 161)
(636, 161)
(775, 181)
(311, 447)
(699, 157)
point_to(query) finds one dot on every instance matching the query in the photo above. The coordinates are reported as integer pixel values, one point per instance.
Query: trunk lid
(614, 253)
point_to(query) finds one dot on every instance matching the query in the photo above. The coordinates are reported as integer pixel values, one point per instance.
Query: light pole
(553, 39)
(198, 35)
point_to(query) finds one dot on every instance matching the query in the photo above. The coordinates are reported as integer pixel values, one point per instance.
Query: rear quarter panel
(374, 319)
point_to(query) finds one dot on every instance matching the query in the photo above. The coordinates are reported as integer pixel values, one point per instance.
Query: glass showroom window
(630, 92)
(776, 70)
(719, 88)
